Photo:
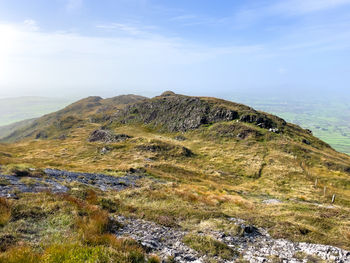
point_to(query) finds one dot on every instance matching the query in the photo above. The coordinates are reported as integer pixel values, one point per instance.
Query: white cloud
(36, 60)
(131, 30)
(31, 24)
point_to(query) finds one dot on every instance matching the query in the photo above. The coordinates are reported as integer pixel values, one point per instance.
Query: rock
(104, 150)
(41, 135)
(250, 230)
(54, 181)
(174, 112)
(272, 201)
(163, 149)
(107, 136)
(255, 245)
(62, 137)
(167, 93)
(306, 141)
(180, 138)
(261, 121)
(308, 131)
(275, 130)
(6, 241)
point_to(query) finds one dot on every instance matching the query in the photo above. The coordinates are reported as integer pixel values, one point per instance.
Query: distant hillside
(8, 129)
(22, 108)
(58, 124)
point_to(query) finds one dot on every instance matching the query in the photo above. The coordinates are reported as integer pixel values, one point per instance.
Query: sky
(201, 47)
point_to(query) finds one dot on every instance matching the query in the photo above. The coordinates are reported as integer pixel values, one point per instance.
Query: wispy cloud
(31, 24)
(126, 28)
(297, 7)
(252, 14)
(71, 60)
(184, 17)
(72, 5)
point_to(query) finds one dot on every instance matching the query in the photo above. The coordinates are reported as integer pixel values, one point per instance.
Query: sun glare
(7, 44)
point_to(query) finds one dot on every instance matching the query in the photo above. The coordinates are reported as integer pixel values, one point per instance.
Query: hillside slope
(59, 123)
(8, 129)
(206, 165)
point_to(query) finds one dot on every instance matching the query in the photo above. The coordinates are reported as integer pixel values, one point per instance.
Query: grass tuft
(5, 211)
(207, 245)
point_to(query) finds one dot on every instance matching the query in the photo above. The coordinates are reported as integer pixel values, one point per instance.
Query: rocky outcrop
(107, 136)
(163, 149)
(253, 244)
(183, 113)
(56, 181)
(176, 113)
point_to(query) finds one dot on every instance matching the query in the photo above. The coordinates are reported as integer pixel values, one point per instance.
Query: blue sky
(203, 47)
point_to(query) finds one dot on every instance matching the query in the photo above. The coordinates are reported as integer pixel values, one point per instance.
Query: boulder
(107, 136)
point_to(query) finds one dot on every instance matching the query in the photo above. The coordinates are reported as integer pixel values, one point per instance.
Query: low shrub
(5, 211)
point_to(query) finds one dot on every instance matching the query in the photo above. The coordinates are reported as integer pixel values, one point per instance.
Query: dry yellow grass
(226, 177)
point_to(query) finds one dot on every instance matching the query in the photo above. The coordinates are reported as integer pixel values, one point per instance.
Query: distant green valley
(328, 118)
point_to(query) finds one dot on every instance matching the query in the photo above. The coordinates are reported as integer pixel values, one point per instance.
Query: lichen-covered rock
(176, 113)
(163, 149)
(254, 244)
(55, 181)
(107, 136)
(182, 113)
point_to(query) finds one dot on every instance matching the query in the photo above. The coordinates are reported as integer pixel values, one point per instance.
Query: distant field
(22, 108)
(329, 119)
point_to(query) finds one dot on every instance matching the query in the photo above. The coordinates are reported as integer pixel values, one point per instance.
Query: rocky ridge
(182, 113)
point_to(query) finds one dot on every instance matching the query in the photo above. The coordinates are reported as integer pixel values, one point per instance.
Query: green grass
(207, 245)
(61, 228)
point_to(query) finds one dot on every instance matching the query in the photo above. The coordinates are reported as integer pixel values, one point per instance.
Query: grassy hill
(206, 160)
(59, 123)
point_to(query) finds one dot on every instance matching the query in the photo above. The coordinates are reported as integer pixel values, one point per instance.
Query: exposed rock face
(168, 93)
(165, 149)
(306, 141)
(254, 244)
(41, 135)
(183, 113)
(234, 130)
(107, 136)
(55, 181)
(261, 121)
